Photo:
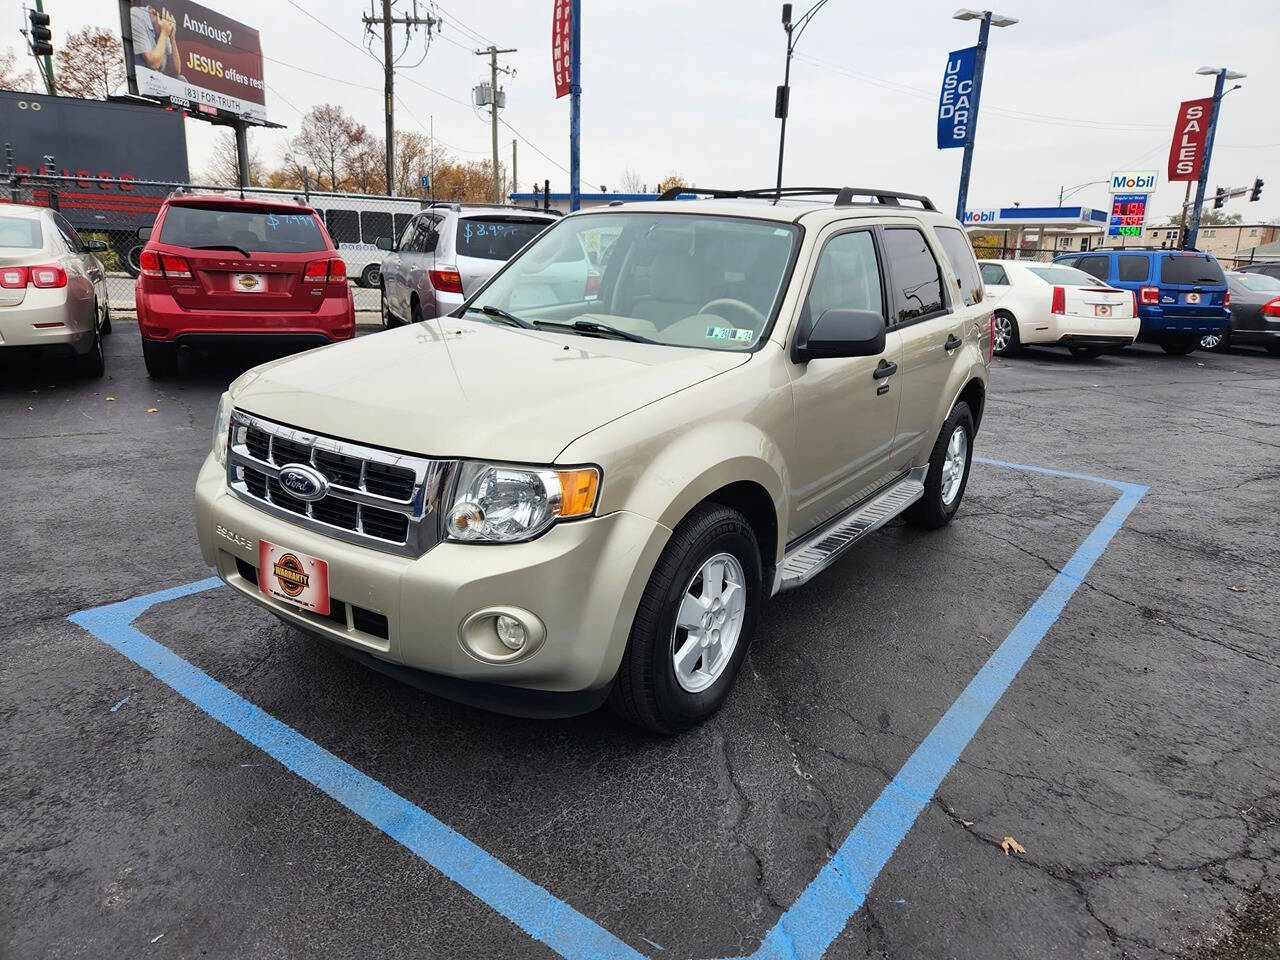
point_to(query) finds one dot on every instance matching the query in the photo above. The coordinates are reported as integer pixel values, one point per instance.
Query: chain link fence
(115, 210)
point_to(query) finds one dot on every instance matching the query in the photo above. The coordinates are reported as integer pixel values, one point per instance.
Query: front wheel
(1005, 340)
(1179, 346)
(948, 472)
(1214, 341)
(94, 363)
(106, 321)
(694, 623)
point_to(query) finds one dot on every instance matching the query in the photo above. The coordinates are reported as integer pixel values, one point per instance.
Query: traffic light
(1256, 192)
(1219, 198)
(41, 35)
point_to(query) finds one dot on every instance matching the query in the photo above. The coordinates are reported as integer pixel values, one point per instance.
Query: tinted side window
(344, 225)
(993, 275)
(69, 234)
(848, 276)
(1097, 266)
(1131, 268)
(917, 282)
(401, 221)
(1180, 268)
(408, 239)
(375, 224)
(428, 230)
(956, 246)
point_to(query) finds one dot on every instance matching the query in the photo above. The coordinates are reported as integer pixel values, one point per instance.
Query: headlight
(492, 503)
(221, 427)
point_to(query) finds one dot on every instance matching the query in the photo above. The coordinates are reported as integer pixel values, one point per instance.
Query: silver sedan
(53, 292)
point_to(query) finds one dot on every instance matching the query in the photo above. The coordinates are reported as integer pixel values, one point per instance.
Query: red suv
(220, 270)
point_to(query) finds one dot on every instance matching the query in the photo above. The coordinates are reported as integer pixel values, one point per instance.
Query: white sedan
(1054, 305)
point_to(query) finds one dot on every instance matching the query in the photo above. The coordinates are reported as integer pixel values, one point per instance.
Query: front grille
(379, 498)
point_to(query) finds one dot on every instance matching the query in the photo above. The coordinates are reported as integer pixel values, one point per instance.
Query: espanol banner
(955, 104)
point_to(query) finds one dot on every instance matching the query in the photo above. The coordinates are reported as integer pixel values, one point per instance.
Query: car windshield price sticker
(1128, 214)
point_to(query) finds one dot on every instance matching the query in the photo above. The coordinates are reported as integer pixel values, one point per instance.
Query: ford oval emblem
(303, 482)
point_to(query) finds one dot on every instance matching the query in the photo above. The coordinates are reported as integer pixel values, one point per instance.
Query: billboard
(1186, 153)
(955, 103)
(188, 55)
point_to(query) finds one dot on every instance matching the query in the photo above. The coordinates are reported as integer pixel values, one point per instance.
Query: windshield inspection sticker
(730, 333)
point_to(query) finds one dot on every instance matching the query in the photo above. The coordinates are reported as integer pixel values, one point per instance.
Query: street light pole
(987, 19)
(1221, 75)
(782, 103)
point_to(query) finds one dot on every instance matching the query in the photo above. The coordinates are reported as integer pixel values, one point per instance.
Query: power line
(343, 38)
(480, 37)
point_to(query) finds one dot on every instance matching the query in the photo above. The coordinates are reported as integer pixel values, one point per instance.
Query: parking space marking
(804, 932)
(527, 905)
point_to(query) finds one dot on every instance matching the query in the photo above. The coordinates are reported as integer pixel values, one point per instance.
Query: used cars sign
(955, 103)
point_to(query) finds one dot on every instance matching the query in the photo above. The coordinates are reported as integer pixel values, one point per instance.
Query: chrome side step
(824, 547)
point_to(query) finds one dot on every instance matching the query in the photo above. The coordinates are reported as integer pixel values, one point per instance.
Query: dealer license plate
(294, 577)
(1193, 298)
(248, 282)
(1102, 309)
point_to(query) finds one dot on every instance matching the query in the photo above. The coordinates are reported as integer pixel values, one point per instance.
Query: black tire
(105, 327)
(389, 319)
(369, 276)
(1179, 346)
(1085, 353)
(415, 310)
(931, 511)
(1273, 349)
(92, 364)
(160, 358)
(645, 691)
(1014, 344)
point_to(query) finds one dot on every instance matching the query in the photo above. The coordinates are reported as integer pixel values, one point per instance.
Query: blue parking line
(808, 928)
(527, 905)
(804, 932)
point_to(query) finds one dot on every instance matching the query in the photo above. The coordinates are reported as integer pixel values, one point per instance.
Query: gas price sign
(1128, 214)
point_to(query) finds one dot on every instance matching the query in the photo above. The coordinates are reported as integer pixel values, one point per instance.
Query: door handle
(952, 342)
(886, 368)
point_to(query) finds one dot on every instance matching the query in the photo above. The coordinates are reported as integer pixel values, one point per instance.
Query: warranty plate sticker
(294, 577)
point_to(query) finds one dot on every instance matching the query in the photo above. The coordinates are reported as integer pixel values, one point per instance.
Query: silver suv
(446, 252)
(556, 497)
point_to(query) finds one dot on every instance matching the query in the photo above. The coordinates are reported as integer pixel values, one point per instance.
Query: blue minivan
(1180, 295)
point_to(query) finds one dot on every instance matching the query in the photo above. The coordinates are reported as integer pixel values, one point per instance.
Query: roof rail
(843, 195)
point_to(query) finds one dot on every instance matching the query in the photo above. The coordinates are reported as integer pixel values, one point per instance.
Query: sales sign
(1186, 154)
(1128, 214)
(955, 103)
(561, 45)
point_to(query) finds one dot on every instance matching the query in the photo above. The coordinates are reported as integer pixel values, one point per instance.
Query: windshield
(1258, 281)
(680, 279)
(20, 233)
(491, 239)
(1066, 276)
(263, 231)
(1190, 268)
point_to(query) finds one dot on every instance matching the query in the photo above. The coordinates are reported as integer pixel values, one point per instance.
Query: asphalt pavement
(1133, 758)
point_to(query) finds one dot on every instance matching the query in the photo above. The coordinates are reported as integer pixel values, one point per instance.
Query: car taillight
(320, 271)
(13, 278)
(1272, 308)
(175, 267)
(446, 281)
(1134, 294)
(1059, 301)
(46, 277)
(1148, 296)
(1226, 299)
(149, 264)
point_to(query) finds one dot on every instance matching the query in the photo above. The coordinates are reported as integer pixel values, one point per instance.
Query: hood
(458, 388)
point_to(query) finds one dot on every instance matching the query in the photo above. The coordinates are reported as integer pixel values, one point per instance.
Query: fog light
(466, 521)
(511, 632)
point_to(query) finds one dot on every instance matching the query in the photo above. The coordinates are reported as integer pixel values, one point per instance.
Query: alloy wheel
(954, 465)
(709, 622)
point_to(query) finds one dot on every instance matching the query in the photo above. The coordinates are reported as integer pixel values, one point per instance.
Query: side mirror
(841, 333)
(144, 233)
(95, 246)
(385, 243)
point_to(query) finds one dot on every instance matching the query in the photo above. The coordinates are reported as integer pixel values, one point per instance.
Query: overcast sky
(1072, 92)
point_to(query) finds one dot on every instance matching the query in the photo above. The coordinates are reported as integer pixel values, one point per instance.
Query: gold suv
(583, 488)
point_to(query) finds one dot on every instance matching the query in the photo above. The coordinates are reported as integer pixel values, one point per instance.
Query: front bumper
(583, 580)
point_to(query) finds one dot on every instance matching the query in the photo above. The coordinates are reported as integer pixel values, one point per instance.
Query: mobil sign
(1190, 130)
(975, 217)
(1133, 181)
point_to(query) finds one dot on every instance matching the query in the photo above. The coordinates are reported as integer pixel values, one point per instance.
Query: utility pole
(494, 70)
(515, 184)
(386, 21)
(575, 104)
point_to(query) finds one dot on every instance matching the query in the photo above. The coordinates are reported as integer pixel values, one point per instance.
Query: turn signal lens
(578, 491)
(446, 281)
(46, 277)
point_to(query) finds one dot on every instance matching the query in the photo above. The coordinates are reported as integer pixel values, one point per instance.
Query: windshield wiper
(595, 326)
(499, 314)
(225, 246)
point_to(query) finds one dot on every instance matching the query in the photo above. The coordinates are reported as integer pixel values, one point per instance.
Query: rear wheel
(369, 275)
(1215, 341)
(106, 321)
(1085, 353)
(1179, 346)
(415, 310)
(160, 358)
(694, 623)
(93, 363)
(948, 472)
(1004, 328)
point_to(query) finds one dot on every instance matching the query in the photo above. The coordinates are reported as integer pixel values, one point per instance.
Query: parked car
(1255, 313)
(1181, 294)
(447, 252)
(53, 292)
(1055, 305)
(1269, 269)
(591, 499)
(218, 270)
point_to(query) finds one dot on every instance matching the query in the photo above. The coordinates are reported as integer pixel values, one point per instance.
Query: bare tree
(13, 77)
(91, 64)
(630, 181)
(223, 168)
(413, 161)
(324, 142)
(365, 163)
(673, 179)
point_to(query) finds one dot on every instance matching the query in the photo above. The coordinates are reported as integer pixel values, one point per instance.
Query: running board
(819, 551)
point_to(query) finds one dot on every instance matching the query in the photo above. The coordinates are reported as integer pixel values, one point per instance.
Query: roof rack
(457, 205)
(843, 195)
